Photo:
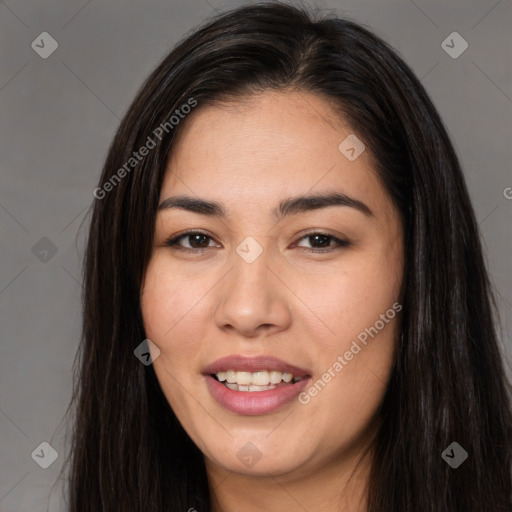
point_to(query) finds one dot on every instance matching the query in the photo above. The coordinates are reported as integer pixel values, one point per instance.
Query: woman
(283, 230)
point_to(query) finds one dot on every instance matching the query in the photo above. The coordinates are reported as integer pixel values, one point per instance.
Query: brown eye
(199, 241)
(321, 242)
(196, 239)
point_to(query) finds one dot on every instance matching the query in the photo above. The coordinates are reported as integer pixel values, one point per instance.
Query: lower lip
(253, 403)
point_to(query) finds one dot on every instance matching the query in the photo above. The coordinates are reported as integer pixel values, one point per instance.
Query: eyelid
(339, 243)
(172, 241)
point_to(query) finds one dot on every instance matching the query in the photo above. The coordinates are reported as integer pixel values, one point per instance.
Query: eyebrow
(287, 207)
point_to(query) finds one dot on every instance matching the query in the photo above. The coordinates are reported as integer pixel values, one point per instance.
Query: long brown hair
(129, 452)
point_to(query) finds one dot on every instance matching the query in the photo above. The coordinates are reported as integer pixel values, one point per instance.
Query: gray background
(58, 116)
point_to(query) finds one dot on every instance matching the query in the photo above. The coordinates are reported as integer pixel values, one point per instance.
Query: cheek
(169, 301)
(174, 320)
(357, 306)
(346, 303)
(172, 314)
(352, 381)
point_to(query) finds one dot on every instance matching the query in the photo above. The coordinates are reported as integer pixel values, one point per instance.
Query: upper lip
(254, 364)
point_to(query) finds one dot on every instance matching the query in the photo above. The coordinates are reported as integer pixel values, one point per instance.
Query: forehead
(270, 145)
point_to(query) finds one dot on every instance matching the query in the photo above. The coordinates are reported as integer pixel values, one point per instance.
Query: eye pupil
(325, 238)
(200, 236)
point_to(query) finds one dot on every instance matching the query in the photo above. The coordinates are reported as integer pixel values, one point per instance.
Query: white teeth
(236, 387)
(243, 378)
(258, 381)
(275, 377)
(261, 378)
(260, 388)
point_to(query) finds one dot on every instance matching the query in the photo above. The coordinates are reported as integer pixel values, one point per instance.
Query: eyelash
(340, 244)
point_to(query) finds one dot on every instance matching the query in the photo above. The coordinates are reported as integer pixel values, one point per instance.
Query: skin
(300, 306)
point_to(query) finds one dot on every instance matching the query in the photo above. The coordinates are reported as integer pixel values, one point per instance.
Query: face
(313, 284)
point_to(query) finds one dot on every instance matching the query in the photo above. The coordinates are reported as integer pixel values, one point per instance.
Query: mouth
(254, 386)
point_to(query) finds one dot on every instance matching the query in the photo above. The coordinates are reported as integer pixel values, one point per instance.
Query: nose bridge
(251, 295)
(251, 250)
(250, 268)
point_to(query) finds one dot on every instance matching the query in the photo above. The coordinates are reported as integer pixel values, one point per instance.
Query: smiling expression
(272, 273)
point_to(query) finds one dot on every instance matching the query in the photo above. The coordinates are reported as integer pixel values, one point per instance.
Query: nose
(252, 298)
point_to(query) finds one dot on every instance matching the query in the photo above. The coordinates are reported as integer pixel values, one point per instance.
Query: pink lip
(255, 402)
(254, 364)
